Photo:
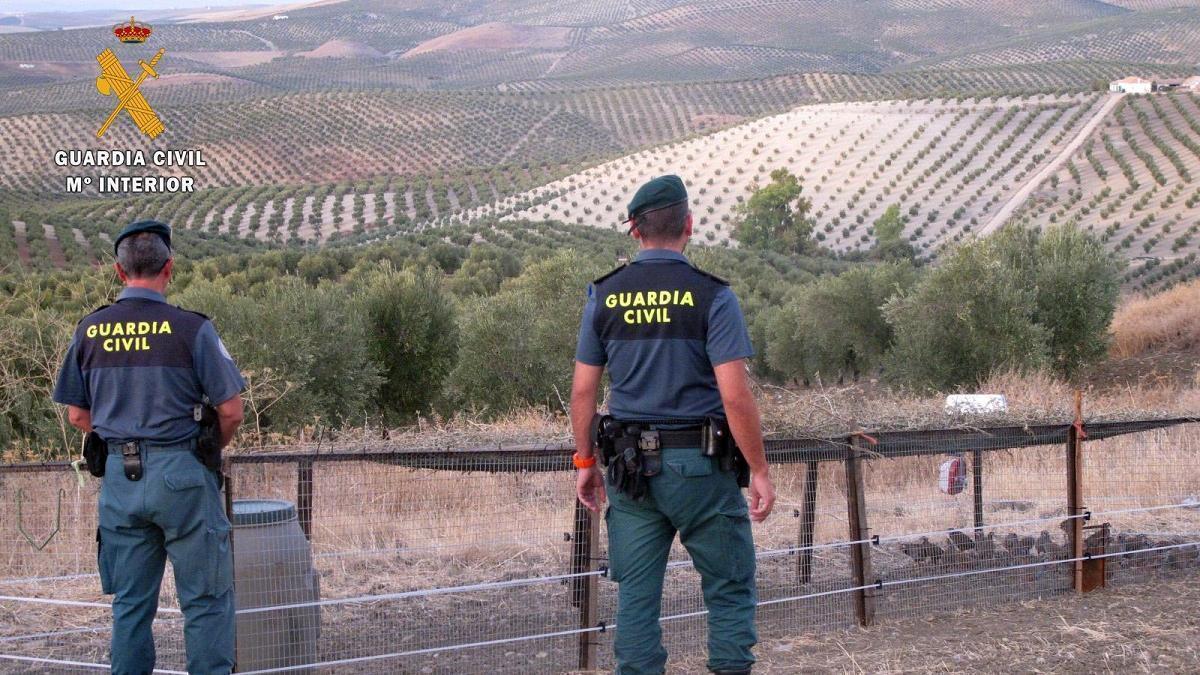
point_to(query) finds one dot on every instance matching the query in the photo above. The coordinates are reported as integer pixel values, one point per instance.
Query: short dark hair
(663, 224)
(143, 255)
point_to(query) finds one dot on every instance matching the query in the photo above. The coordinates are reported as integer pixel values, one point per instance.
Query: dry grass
(1137, 628)
(1166, 321)
(1032, 398)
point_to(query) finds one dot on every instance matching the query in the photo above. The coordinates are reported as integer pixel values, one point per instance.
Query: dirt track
(1134, 628)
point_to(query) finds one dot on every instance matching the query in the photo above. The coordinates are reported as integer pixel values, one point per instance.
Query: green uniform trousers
(694, 497)
(175, 510)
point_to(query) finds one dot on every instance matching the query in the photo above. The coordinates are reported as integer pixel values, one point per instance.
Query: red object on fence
(952, 475)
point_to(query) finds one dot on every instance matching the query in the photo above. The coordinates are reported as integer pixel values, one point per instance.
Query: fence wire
(482, 561)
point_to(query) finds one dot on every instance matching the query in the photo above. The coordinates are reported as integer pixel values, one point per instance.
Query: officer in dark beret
(675, 344)
(133, 379)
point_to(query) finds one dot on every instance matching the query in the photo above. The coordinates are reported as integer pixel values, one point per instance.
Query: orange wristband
(582, 462)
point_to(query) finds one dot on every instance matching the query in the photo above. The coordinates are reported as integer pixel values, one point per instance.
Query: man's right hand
(762, 496)
(589, 488)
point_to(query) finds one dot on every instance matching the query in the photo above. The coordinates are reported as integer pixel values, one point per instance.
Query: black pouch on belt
(131, 456)
(95, 453)
(208, 443)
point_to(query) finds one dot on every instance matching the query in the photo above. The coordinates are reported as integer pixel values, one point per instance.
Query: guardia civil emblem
(115, 81)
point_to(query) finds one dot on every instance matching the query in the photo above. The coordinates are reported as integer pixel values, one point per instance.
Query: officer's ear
(634, 231)
(121, 273)
(168, 268)
(687, 226)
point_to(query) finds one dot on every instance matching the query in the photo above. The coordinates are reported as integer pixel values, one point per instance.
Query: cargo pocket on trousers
(106, 582)
(695, 467)
(739, 548)
(219, 573)
(184, 480)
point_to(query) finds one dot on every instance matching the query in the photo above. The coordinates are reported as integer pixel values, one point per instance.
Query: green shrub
(836, 325)
(1019, 299)
(305, 346)
(412, 337)
(517, 347)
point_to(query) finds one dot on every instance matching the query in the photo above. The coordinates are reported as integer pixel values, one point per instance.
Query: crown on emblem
(133, 32)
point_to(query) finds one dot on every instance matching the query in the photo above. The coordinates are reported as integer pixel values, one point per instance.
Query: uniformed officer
(675, 343)
(134, 373)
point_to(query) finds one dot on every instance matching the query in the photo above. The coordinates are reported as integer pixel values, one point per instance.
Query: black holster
(208, 443)
(95, 453)
(718, 443)
(131, 460)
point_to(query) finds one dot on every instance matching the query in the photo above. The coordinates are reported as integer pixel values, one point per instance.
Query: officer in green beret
(134, 378)
(675, 344)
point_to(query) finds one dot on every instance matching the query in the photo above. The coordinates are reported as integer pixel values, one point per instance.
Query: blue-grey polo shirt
(140, 366)
(657, 370)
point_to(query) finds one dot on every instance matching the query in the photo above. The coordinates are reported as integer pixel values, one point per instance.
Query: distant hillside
(516, 42)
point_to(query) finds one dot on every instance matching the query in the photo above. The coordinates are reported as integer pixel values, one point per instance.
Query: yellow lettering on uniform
(118, 329)
(143, 327)
(629, 315)
(686, 299)
(624, 298)
(91, 331)
(131, 328)
(107, 345)
(127, 344)
(610, 301)
(165, 328)
(145, 345)
(105, 329)
(639, 299)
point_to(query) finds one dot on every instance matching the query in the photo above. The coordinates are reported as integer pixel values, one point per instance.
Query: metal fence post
(585, 589)
(1075, 491)
(304, 495)
(227, 483)
(808, 520)
(977, 478)
(860, 554)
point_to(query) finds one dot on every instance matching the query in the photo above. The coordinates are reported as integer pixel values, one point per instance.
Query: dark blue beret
(657, 193)
(153, 226)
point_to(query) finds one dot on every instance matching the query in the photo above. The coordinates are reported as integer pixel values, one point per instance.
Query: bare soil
(1131, 628)
(342, 49)
(497, 36)
(232, 59)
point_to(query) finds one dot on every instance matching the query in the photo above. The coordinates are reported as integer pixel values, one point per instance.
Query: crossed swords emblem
(114, 80)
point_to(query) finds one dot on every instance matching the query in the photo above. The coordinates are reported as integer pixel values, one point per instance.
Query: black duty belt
(131, 454)
(680, 438)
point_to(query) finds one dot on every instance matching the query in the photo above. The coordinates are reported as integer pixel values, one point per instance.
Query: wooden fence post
(808, 520)
(585, 589)
(1075, 491)
(304, 495)
(860, 554)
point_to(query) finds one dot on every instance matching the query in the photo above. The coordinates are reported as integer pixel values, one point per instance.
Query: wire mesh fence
(482, 561)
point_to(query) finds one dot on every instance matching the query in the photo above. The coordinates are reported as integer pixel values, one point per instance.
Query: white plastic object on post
(976, 404)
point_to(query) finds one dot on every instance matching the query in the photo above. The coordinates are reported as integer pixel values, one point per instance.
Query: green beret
(657, 193)
(153, 226)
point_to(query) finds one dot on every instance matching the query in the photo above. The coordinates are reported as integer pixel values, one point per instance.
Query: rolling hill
(356, 120)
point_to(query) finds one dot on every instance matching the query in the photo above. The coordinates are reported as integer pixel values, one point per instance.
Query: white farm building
(1131, 85)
